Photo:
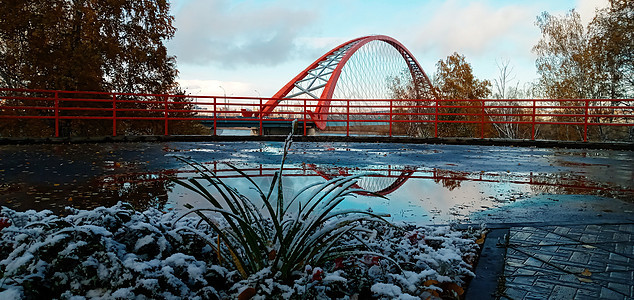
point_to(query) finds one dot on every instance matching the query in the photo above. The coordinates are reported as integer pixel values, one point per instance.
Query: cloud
(232, 35)
(475, 27)
(587, 9)
(217, 88)
(265, 43)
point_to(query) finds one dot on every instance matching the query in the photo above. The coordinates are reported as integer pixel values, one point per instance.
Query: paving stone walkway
(569, 262)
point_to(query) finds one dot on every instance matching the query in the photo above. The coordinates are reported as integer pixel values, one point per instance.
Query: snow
(123, 293)
(335, 276)
(96, 230)
(408, 297)
(144, 241)
(70, 248)
(11, 294)
(13, 265)
(386, 289)
(130, 254)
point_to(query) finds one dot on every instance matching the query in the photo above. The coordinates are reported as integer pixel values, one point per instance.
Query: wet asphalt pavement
(561, 220)
(443, 183)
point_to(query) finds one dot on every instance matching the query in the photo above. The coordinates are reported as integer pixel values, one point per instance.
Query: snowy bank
(120, 253)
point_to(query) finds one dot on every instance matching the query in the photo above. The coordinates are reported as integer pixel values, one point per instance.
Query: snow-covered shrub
(314, 250)
(289, 234)
(107, 252)
(103, 253)
(436, 262)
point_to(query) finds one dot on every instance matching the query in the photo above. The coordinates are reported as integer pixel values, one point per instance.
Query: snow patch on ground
(118, 252)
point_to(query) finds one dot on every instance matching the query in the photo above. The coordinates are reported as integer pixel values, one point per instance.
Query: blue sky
(252, 48)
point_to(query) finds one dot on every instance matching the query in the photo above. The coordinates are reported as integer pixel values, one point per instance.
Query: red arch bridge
(355, 88)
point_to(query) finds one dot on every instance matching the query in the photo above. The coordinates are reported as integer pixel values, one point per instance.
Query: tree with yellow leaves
(459, 91)
(593, 62)
(90, 45)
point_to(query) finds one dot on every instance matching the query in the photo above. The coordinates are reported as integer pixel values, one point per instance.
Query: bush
(287, 239)
(107, 252)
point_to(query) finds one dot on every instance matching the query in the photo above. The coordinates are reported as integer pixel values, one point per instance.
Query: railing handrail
(16, 104)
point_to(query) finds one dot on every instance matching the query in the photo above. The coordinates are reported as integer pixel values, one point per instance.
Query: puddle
(423, 183)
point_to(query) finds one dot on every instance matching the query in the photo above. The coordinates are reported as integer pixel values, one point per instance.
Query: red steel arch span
(325, 72)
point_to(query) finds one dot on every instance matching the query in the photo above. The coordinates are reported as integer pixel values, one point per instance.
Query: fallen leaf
(586, 272)
(452, 286)
(272, 254)
(589, 247)
(247, 294)
(480, 241)
(430, 282)
(586, 280)
(434, 293)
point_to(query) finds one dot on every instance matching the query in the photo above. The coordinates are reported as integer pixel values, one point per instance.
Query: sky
(251, 48)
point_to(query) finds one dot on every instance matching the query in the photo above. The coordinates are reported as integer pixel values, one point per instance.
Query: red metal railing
(581, 119)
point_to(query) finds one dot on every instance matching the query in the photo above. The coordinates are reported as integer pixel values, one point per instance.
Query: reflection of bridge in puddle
(445, 181)
(381, 182)
(385, 180)
(414, 192)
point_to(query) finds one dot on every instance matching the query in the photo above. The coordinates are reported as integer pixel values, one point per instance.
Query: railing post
(261, 133)
(114, 115)
(585, 121)
(56, 114)
(304, 117)
(348, 117)
(391, 117)
(533, 123)
(436, 119)
(482, 121)
(166, 121)
(215, 116)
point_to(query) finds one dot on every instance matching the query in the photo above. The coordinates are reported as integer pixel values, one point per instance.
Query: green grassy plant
(306, 230)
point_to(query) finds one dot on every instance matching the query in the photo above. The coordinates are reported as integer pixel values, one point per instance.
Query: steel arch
(325, 71)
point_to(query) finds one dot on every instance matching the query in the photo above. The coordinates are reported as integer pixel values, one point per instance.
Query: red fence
(581, 119)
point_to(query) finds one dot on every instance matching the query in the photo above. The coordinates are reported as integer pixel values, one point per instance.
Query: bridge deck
(236, 122)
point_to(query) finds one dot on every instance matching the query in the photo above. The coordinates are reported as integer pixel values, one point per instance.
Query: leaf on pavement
(586, 280)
